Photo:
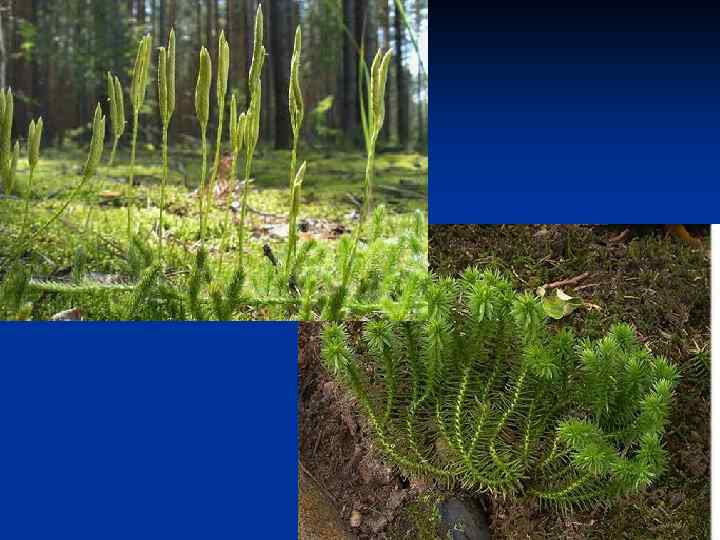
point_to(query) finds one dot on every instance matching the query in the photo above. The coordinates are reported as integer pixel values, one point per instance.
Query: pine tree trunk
(281, 37)
(268, 82)
(162, 21)
(422, 130)
(22, 79)
(140, 10)
(403, 95)
(3, 53)
(349, 73)
(249, 24)
(210, 29)
(386, 132)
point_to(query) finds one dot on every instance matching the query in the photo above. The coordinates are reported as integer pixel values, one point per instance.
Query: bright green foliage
(34, 138)
(375, 120)
(141, 72)
(94, 154)
(252, 122)
(202, 88)
(117, 112)
(483, 395)
(202, 111)
(9, 154)
(170, 74)
(96, 144)
(35, 130)
(166, 100)
(221, 91)
(297, 112)
(138, 89)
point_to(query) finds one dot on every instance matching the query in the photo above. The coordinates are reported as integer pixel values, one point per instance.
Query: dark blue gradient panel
(143, 430)
(575, 112)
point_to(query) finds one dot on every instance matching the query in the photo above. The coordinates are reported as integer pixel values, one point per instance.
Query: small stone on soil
(355, 519)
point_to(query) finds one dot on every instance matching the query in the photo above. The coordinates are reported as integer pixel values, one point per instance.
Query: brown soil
(319, 519)
(336, 450)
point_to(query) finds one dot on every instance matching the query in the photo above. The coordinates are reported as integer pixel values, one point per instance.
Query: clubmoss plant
(138, 90)
(237, 139)
(202, 111)
(375, 121)
(484, 396)
(35, 130)
(166, 99)
(9, 154)
(91, 164)
(117, 112)
(252, 123)
(297, 112)
(221, 92)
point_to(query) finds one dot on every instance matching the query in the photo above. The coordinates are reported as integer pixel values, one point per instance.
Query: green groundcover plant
(366, 273)
(485, 396)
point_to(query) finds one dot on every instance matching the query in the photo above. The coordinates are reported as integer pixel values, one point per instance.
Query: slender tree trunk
(349, 73)
(403, 95)
(386, 132)
(3, 53)
(172, 14)
(249, 24)
(162, 21)
(237, 45)
(280, 36)
(210, 28)
(267, 116)
(22, 79)
(140, 10)
(422, 131)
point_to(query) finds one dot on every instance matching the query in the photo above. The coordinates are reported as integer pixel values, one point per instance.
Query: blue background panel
(567, 111)
(158, 430)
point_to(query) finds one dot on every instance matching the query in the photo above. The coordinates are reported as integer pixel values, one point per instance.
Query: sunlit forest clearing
(264, 209)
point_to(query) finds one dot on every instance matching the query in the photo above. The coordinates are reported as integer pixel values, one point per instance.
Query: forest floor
(96, 246)
(659, 284)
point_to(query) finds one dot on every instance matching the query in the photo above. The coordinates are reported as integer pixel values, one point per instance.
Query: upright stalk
(201, 193)
(34, 137)
(26, 211)
(221, 91)
(237, 139)
(131, 177)
(137, 93)
(202, 111)
(162, 191)
(375, 120)
(243, 209)
(113, 151)
(252, 123)
(297, 111)
(166, 99)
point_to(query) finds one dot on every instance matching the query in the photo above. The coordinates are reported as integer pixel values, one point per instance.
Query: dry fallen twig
(565, 282)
